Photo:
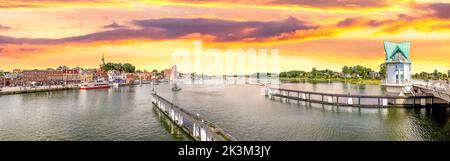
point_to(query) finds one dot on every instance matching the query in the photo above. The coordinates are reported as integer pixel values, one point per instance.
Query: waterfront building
(167, 73)
(145, 76)
(9, 75)
(42, 76)
(116, 76)
(398, 63)
(55, 77)
(398, 67)
(71, 76)
(130, 77)
(2, 81)
(88, 75)
(17, 71)
(102, 74)
(38, 76)
(374, 75)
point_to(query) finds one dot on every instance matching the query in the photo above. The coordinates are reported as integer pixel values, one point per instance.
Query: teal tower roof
(392, 49)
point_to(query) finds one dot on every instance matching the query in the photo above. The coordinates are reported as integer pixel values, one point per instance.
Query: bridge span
(438, 89)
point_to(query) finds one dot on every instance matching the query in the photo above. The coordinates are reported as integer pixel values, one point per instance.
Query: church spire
(103, 59)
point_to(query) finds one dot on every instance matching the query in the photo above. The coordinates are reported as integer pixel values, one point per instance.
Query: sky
(326, 34)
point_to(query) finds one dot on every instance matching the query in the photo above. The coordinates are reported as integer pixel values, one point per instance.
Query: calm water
(115, 114)
(126, 114)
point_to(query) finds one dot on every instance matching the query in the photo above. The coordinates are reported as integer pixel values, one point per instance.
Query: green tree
(346, 70)
(127, 67)
(62, 67)
(313, 73)
(383, 70)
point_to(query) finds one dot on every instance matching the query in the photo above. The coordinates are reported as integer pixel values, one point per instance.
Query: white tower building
(398, 67)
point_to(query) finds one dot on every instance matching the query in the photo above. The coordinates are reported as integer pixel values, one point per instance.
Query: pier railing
(197, 128)
(349, 99)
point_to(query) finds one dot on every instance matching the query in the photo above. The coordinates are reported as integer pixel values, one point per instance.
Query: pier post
(423, 102)
(202, 134)
(194, 130)
(350, 101)
(180, 119)
(385, 102)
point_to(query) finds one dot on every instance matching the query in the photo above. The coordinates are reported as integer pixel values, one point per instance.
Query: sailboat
(173, 78)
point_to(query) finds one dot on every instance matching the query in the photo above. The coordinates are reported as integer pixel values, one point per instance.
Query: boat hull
(90, 88)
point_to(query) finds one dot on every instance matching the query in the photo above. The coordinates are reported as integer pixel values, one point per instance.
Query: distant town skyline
(324, 34)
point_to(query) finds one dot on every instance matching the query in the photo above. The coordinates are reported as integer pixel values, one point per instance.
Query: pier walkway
(352, 100)
(197, 128)
(439, 89)
(19, 90)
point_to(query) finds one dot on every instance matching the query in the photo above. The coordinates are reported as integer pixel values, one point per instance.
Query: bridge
(193, 125)
(351, 99)
(438, 89)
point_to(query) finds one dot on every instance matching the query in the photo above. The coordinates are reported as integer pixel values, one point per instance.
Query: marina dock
(196, 127)
(353, 100)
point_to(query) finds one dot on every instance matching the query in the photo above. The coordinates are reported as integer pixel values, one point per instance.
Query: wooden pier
(197, 128)
(352, 100)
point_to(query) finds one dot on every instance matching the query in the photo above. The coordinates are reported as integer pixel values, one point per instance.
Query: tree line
(436, 75)
(347, 71)
(127, 67)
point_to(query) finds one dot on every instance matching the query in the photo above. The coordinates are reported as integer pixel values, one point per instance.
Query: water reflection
(126, 113)
(247, 115)
(176, 132)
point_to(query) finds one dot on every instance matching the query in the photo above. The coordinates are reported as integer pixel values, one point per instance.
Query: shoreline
(19, 90)
(35, 90)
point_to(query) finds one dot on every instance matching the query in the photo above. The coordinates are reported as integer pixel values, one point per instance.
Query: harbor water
(242, 110)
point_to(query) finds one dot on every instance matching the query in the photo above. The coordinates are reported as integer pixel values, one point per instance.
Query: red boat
(99, 84)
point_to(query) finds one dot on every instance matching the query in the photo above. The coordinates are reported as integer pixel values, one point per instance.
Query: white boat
(98, 84)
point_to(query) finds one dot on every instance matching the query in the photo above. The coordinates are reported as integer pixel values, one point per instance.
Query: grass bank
(324, 80)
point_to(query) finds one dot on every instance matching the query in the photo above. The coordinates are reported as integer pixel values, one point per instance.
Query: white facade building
(398, 63)
(398, 68)
(116, 76)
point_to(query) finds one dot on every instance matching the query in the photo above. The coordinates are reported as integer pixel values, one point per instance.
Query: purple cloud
(333, 3)
(172, 28)
(113, 25)
(441, 10)
(224, 30)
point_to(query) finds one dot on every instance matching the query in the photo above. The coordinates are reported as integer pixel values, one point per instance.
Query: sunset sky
(308, 33)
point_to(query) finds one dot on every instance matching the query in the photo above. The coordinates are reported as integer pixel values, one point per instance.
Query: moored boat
(98, 84)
